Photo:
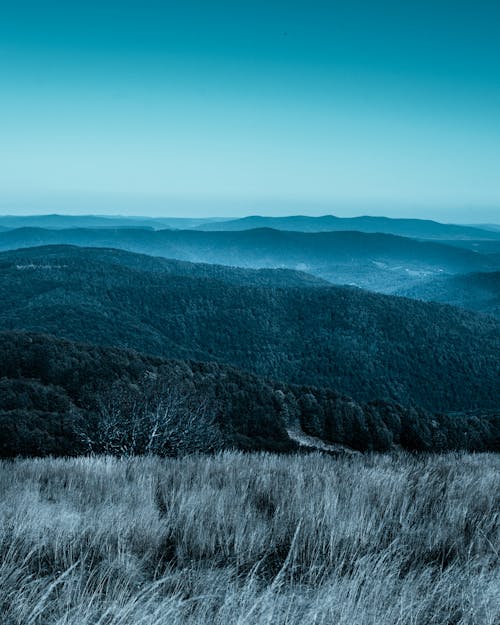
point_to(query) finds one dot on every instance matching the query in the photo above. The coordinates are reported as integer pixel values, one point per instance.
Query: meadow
(251, 539)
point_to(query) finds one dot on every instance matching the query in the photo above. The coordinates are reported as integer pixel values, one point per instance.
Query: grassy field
(251, 539)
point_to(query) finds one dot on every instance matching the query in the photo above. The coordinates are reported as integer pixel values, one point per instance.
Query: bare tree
(153, 418)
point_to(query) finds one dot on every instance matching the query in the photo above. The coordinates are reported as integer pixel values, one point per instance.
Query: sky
(230, 108)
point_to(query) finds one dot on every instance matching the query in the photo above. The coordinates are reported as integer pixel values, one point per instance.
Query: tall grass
(251, 539)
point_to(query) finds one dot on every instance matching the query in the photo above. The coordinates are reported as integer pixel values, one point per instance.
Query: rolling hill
(482, 246)
(475, 291)
(159, 265)
(56, 398)
(363, 344)
(377, 262)
(415, 228)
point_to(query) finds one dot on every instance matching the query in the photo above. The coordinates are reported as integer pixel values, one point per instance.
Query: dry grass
(251, 539)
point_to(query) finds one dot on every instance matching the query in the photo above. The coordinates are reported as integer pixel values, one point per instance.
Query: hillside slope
(377, 262)
(60, 398)
(359, 343)
(47, 254)
(475, 291)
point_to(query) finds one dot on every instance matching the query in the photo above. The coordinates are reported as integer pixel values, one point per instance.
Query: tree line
(63, 398)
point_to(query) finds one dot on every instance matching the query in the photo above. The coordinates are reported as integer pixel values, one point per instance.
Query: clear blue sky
(240, 107)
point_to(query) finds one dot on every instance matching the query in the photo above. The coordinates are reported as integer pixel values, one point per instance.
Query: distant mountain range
(378, 262)
(359, 343)
(59, 222)
(415, 228)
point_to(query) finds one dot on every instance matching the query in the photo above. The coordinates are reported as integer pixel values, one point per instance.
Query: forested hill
(475, 291)
(154, 264)
(378, 262)
(60, 398)
(359, 343)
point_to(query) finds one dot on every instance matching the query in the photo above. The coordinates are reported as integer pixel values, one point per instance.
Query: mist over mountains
(378, 262)
(414, 228)
(61, 222)
(347, 337)
(225, 417)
